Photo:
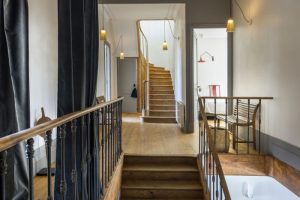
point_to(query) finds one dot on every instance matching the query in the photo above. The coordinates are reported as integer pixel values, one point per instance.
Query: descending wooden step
(162, 107)
(161, 87)
(159, 119)
(162, 96)
(164, 113)
(162, 92)
(160, 177)
(162, 102)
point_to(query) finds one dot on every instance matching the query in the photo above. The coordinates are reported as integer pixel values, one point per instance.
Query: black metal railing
(107, 118)
(220, 119)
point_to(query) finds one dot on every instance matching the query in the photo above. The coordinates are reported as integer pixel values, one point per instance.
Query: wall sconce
(201, 60)
(230, 21)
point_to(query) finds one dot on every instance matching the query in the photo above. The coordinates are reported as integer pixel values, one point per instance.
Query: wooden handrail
(225, 97)
(13, 139)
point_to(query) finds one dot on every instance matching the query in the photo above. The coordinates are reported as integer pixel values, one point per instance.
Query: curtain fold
(14, 90)
(77, 78)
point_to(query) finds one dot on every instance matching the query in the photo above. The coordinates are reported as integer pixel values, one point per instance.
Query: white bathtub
(259, 187)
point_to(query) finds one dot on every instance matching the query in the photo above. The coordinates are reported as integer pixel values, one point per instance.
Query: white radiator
(180, 113)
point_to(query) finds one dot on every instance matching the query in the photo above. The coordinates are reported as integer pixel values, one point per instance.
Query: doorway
(107, 70)
(210, 64)
(126, 82)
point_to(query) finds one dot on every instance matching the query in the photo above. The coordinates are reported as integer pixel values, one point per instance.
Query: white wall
(179, 70)
(154, 32)
(266, 62)
(111, 40)
(43, 60)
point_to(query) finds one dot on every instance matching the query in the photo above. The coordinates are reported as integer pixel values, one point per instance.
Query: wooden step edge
(162, 110)
(162, 185)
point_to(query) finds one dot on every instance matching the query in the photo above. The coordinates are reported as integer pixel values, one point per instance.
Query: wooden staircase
(160, 177)
(161, 97)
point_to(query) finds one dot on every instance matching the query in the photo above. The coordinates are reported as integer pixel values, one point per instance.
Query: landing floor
(156, 139)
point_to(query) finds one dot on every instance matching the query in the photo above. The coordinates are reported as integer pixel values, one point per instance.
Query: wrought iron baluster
(3, 172)
(114, 137)
(120, 109)
(226, 123)
(88, 156)
(63, 185)
(29, 156)
(83, 158)
(102, 151)
(111, 140)
(259, 129)
(248, 127)
(237, 127)
(106, 143)
(48, 144)
(215, 122)
(213, 178)
(74, 149)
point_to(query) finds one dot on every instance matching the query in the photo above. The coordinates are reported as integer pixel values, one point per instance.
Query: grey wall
(199, 13)
(266, 63)
(126, 79)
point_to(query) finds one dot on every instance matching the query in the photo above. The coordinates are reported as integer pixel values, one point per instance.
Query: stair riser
(162, 92)
(152, 88)
(159, 193)
(153, 107)
(156, 68)
(159, 71)
(159, 120)
(161, 82)
(162, 114)
(152, 76)
(165, 96)
(162, 102)
(170, 160)
(162, 96)
(152, 175)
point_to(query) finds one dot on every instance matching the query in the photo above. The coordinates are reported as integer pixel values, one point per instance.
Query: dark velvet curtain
(14, 90)
(77, 78)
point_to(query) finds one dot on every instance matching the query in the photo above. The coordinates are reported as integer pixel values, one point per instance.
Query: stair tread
(162, 110)
(161, 117)
(160, 167)
(161, 85)
(162, 184)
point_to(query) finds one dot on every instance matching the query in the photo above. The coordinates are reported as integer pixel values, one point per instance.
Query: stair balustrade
(108, 119)
(219, 132)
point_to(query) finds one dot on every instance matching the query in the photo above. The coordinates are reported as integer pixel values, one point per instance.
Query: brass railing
(107, 118)
(215, 137)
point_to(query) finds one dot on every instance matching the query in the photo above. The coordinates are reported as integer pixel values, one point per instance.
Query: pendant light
(230, 21)
(165, 44)
(103, 31)
(122, 54)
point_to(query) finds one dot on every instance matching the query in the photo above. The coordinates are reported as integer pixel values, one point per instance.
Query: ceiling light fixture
(201, 60)
(165, 44)
(103, 31)
(230, 21)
